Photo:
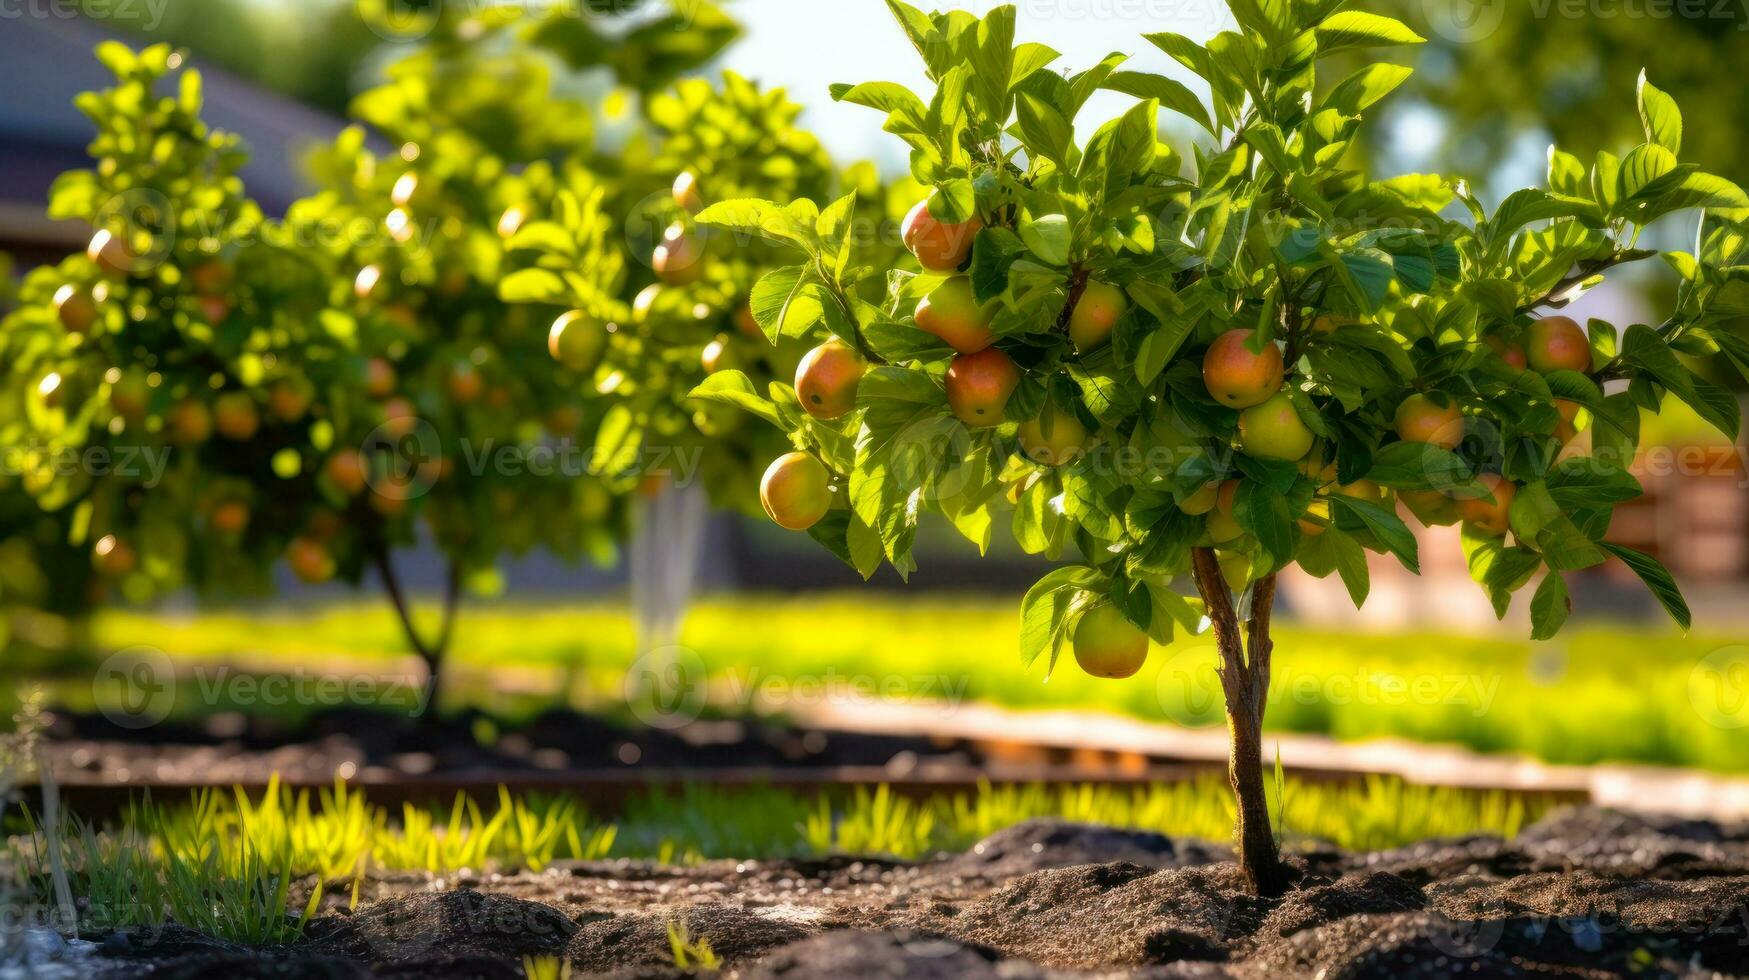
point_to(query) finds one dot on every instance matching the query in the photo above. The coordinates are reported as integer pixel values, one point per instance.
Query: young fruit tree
(1208, 370)
(206, 392)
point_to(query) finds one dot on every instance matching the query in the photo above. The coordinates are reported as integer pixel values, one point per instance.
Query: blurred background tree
(1500, 80)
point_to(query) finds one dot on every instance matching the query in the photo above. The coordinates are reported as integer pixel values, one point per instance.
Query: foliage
(1367, 289)
(206, 391)
(695, 311)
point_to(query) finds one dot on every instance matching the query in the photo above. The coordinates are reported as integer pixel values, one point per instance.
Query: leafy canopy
(1373, 290)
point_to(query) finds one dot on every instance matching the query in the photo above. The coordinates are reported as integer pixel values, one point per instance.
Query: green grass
(225, 863)
(1600, 693)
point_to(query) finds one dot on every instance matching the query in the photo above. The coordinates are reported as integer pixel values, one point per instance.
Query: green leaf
(1658, 579)
(1386, 526)
(1169, 92)
(1659, 115)
(1549, 607)
(1365, 87)
(763, 218)
(1044, 129)
(771, 297)
(1642, 347)
(1049, 238)
(1264, 513)
(1045, 612)
(1358, 29)
(1418, 466)
(735, 388)
(534, 286)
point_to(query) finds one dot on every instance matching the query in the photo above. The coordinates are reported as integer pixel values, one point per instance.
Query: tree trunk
(1245, 683)
(431, 654)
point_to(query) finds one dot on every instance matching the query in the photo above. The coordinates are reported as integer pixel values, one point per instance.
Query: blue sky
(805, 45)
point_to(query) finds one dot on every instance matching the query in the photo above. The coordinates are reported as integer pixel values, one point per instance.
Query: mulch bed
(1586, 893)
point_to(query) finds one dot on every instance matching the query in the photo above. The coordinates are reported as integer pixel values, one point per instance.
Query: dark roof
(46, 61)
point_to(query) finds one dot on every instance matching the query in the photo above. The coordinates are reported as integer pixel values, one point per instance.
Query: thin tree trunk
(1245, 683)
(430, 654)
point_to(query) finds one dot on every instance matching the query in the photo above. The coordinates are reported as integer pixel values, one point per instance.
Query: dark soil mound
(1107, 915)
(641, 939)
(1586, 894)
(444, 927)
(1038, 845)
(886, 955)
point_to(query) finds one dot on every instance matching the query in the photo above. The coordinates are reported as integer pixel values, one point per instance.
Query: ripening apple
(1274, 430)
(749, 327)
(235, 416)
(1235, 569)
(1238, 378)
(827, 378)
(1365, 490)
(230, 517)
(717, 420)
(686, 194)
(1431, 508)
(111, 254)
(1487, 514)
(938, 246)
(290, 398)
(464, 383)
(1055, 438)
(1202, 501)
(1108, 645)
(1422, 419)
(950, 311)
(678, 257)
(1222, 525)
(1557, 343)
(577, 340)
(190, 422)
(1316, 518)
(718, 355)
(310, 561)
(211, 277)
(1512, 354)
(130, 395)
(400, 417)
(379, 377)
(113, 557)
(347, 471)
(979, 385)
(564, 420)
(1097, 311)
(645, 301)
(214, 309)
(1568, 429)
(76, 309)
(796, 491)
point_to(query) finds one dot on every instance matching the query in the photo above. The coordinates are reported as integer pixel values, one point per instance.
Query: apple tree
(1182, 376)
(697, 307)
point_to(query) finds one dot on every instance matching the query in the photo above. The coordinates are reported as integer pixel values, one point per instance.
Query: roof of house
(46, 61)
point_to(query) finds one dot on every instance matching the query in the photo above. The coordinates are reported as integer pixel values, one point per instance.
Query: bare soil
(1586, 893)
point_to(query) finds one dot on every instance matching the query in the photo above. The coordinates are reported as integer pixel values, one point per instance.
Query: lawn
(1600, 693)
